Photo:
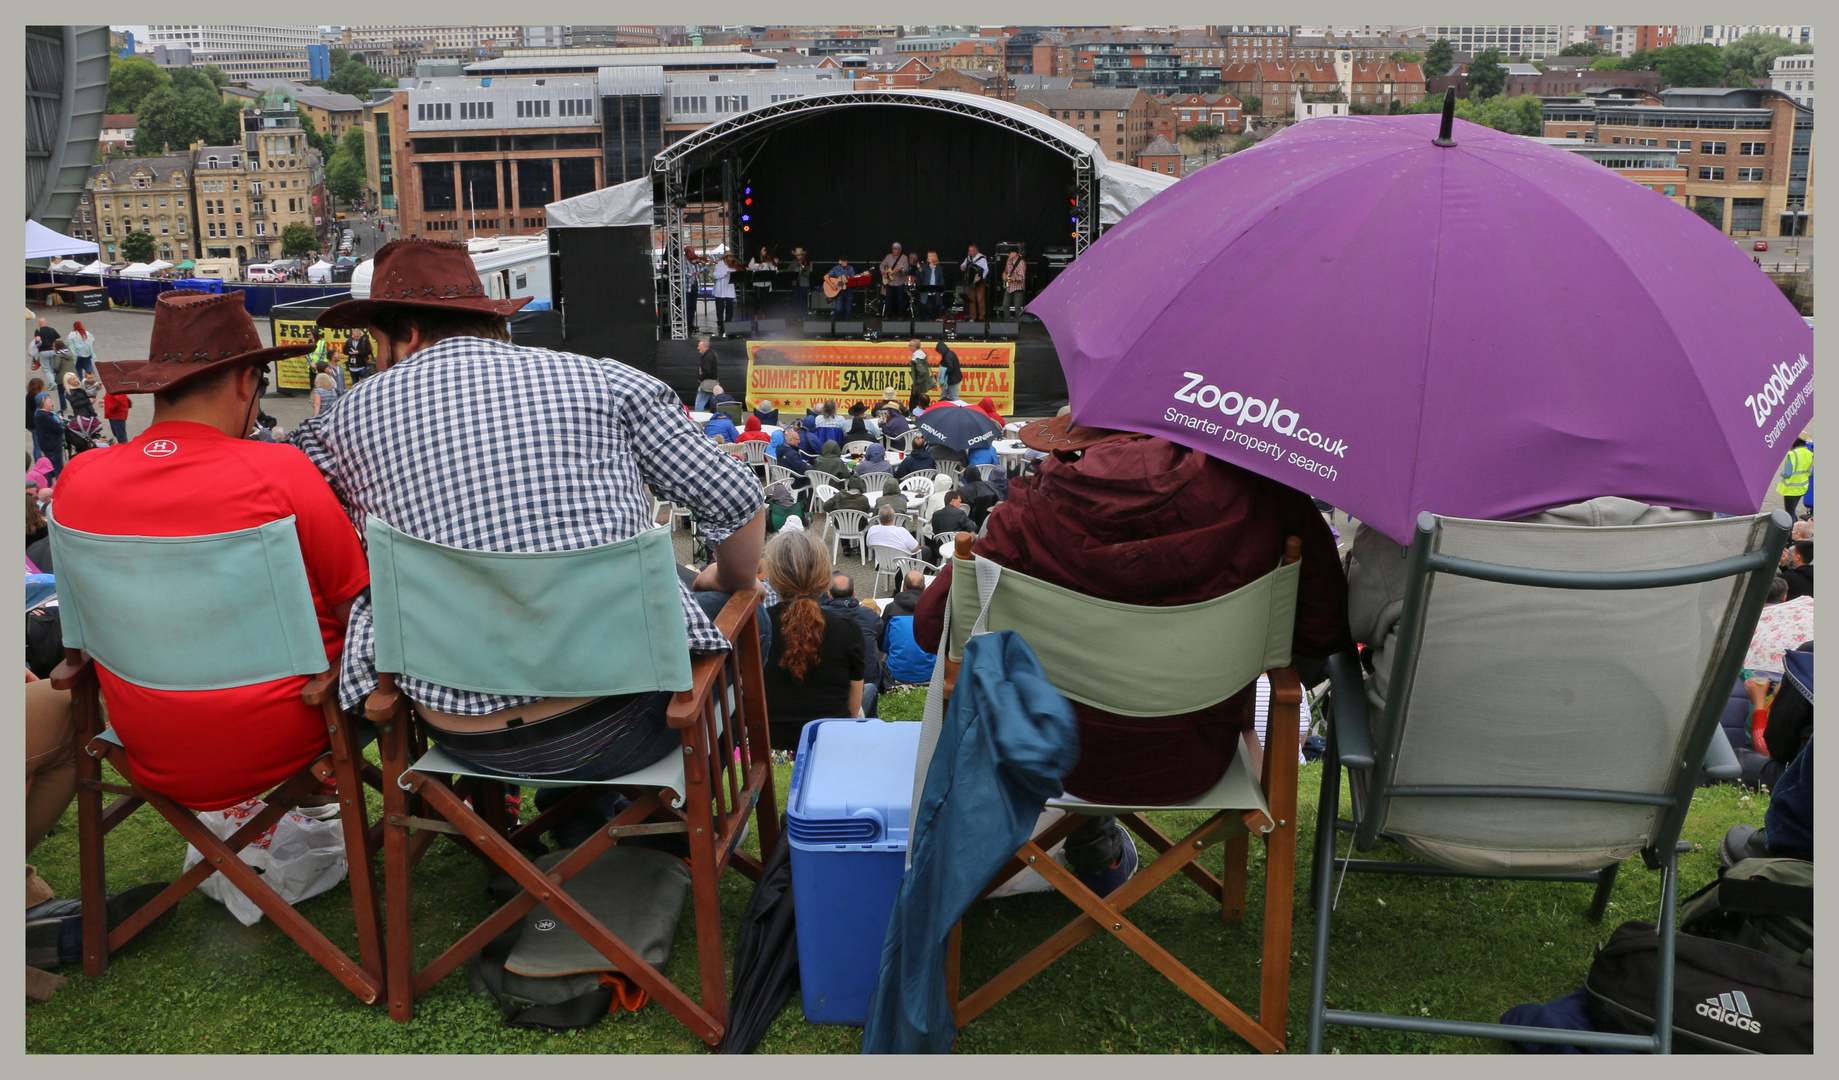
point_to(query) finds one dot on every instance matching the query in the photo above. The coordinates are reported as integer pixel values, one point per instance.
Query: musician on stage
(931, 273)
(763, 263)
(724, 292)
(801, 282)
(976, 269)
(1015, 279)
(845, 300)
(895, 277)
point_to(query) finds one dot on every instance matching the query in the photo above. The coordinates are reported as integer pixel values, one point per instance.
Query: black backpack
(1743, 970)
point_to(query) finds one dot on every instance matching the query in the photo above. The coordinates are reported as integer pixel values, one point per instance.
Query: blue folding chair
(592, 622)
(205, 613)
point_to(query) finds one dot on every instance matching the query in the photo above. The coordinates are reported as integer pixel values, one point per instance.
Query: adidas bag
(1726, 998)
(544, 975)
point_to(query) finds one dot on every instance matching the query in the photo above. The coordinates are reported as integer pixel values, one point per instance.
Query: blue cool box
(846, 818)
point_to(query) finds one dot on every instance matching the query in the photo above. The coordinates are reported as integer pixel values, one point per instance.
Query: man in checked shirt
(510, 472)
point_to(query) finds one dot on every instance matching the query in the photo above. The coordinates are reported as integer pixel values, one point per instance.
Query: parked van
(222, 269)
(264, 272)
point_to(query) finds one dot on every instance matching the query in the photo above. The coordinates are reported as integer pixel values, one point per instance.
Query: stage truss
(671, 169)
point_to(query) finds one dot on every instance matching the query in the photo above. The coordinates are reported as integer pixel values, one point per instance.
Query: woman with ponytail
(815, 667)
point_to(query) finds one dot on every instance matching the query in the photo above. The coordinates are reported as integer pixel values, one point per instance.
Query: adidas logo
(1730, 1008)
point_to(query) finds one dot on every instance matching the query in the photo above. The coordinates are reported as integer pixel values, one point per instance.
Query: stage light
(746, 217)
(747, 228)
(747, 202)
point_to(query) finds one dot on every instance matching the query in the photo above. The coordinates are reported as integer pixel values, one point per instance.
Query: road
(1790, 253)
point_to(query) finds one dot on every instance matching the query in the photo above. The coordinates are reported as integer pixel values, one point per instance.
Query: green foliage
(1712, 210)
(1203, 132)
(1581, 48)
(345, 176)
(131, 80)
(1640, 61)
(216, 75)
(1541, 65)
(1243, 142)
(352, 77)
(175, 118)
(1523, 115)
(1439, 58)
(1395, 106)
(1252, 104)
(1754, 54)
(1609, 63)
(298, 239)
(325, 144)
(354, 145)
(138, 246)
(192, 79)
(337, 58)
(1405, 56)
(1690, 65)
(1486, 75)
(1360, 108)
(228, 129)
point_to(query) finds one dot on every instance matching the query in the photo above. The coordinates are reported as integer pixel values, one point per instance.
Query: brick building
(985, 55)
(1557, 83)
(1274, 82)
(145, 194)
(248, 194)
(1122, 122)
(1161, 156)
(117, 133)
(1220, 110)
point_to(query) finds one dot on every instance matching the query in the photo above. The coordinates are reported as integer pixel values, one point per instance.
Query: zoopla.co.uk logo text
(1255, 412)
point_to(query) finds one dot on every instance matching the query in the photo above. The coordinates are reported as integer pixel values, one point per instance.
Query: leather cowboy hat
(425, 275)
(194, 335)
(1062, 434)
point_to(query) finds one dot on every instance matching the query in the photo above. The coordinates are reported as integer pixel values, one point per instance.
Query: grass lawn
(1460, 949)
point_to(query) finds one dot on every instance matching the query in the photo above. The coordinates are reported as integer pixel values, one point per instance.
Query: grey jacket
(1376, 572)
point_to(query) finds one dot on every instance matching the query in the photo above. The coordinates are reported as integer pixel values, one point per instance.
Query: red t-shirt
(115, 406)
(210, 749)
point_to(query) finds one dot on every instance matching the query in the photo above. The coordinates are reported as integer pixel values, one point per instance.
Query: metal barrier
(258, 297)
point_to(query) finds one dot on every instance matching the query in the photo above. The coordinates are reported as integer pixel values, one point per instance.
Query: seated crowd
(1124, 517)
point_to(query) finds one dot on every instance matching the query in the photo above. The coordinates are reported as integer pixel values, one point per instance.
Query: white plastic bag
(1028, 881)
(298, 857)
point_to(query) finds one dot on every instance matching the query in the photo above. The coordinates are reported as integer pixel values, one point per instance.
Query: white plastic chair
(821, 494)
(857, 447)
(918, 483)
(952, 469)
(902, 442)
(888, 562)
(841, 525)
(984, 471)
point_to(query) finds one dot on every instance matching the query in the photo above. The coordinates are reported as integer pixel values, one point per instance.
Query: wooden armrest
(320, 688)
(1286, 686)
(736, 617)
(385, 701)
(70, 670)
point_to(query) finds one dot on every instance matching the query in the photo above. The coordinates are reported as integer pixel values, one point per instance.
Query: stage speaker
(892, 328)
(848, 329)
(770, 326)
(816, 327)
(934, 329)
(1002, 329)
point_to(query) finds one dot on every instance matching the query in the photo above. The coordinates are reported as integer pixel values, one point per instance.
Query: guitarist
(836, 286)
(896, 276)
(976, 269)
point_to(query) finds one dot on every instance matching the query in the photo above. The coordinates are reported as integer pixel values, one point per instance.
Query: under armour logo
(160, 448)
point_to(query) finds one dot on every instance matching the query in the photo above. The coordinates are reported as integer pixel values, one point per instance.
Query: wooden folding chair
(244, 614)
(1189, 656)
(622, 634)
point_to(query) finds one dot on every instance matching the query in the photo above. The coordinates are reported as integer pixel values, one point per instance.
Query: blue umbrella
(958, 429)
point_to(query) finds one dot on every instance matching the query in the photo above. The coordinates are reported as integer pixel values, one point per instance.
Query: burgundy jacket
(1145, 521)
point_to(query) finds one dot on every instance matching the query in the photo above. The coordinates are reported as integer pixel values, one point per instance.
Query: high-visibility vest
(1799, 465)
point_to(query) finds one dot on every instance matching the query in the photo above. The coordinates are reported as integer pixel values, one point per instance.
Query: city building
(1629, 40)
(1723, 35)
(545, 62)
(1375, 83)
(256, 66)
(1747, 153)
(1359, 47)
(1655, 168)
(248, 194)
(1793, 75)
(1220, 110)
(1245, 44)
(143, 194)
(1303, 107)
(1161, 156)
(1561, 81)
(214, 40)
(692, 101)
(994, 83)
(117, 133)
(1154, 65)
(984, 55)
(1532, 42)
(1122, 122)
(365, 38)
(333, 114)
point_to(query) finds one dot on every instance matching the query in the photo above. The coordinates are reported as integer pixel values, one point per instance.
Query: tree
(1690, 65)
(174, 119)
(354, 145)
(1712, 210)
(1581, 48)
(1608, 63)
(1642, 60)
(1253, 105)
(1243, 142)
(1754, 54)
(345, 176)
(1404, 56)
(1523, 115)
(325, 144)
(353, 78)
(131, 79)
(1486, 75)
(298, 239)
(227, 129)
(1439, 58)
(192, 79)
(216, 75)
(138, 246)
(1202, 132)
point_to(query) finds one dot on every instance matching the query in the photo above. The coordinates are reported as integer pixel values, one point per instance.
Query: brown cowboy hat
(427, 275)
(1062, 434)
(194, 334)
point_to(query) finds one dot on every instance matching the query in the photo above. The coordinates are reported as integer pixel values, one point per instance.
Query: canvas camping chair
(204, 613)
(1543, 721)
(551, 637)
(734, 411)
(1157, 661)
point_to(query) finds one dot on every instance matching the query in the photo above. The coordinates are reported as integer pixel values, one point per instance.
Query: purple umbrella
(1485, 328)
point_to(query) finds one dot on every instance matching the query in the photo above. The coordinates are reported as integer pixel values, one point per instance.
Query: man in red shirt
(193, 473)
(115, 410)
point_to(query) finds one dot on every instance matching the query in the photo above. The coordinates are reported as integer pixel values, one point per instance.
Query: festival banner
(797, 375)
(293, 374)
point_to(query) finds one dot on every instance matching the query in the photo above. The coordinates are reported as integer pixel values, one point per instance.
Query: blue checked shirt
(489, 446)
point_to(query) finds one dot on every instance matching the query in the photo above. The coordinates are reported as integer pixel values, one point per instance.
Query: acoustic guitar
(835, 285)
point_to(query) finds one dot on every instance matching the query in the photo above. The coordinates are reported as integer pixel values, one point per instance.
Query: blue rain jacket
(1007, 739)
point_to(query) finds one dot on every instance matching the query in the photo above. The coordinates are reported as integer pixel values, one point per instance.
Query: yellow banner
(798, 375)
(294, 374)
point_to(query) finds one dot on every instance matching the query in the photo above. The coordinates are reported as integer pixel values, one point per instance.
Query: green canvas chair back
(1127, 658)
(734, 411)
(592, 622)
(189, 612)
(1595, 660)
